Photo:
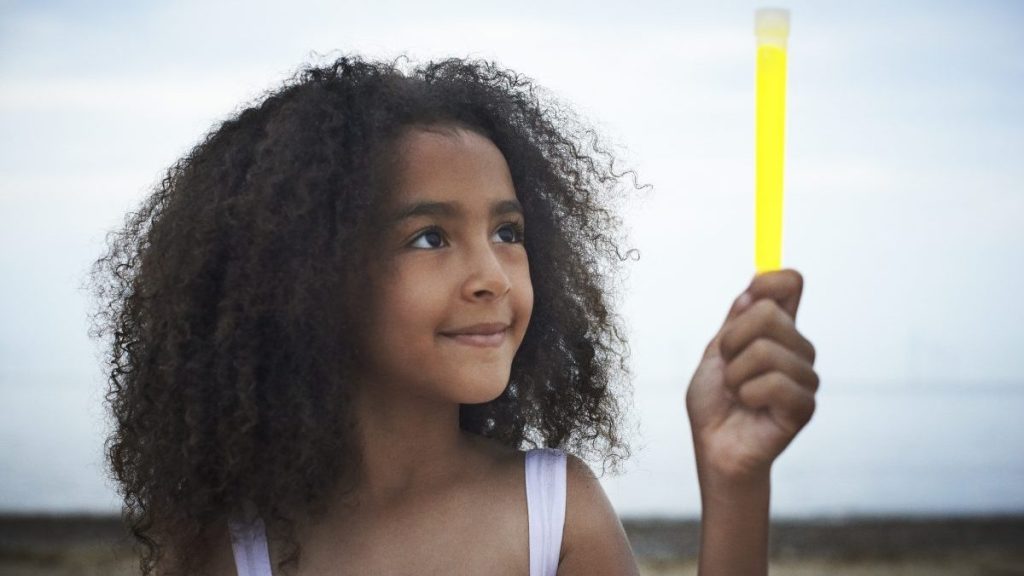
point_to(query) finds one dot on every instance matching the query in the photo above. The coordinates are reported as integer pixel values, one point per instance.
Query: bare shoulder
(593, 540)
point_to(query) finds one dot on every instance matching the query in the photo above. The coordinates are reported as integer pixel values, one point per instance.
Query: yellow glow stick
(772, 29)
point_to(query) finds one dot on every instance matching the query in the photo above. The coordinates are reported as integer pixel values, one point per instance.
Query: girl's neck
(410, 445)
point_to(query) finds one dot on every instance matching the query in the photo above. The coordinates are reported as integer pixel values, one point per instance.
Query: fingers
(764, 356)
(789, 404)
(768, 364)
(784, 287)
(765, 319)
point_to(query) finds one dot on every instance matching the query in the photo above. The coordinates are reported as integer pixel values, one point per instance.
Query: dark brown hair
(230, 297)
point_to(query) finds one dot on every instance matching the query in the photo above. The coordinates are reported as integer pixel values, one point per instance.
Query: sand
(87, 546)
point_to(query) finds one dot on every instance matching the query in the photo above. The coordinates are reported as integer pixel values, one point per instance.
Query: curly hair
(228, 299)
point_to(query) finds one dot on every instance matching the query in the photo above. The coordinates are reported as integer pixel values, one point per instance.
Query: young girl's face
(453, 262)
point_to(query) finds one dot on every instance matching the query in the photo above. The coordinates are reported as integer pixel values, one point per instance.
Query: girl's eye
(517, 231)
(516, 236)
(428, 233)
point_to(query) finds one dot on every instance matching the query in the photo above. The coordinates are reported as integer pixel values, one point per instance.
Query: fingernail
(744, 300)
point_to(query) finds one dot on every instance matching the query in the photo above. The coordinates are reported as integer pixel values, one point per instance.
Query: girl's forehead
(431, 141)
(448, 163)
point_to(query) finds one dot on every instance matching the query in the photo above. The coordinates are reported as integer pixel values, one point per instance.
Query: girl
(364, 328)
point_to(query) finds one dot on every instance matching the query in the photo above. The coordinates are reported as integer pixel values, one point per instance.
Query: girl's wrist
(731, 493)
(729, 483)
(734, 525)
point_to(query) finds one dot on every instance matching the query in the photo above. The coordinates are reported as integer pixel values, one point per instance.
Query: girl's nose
(487, 275)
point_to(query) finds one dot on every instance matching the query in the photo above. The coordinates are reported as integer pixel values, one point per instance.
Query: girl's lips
(482, 340)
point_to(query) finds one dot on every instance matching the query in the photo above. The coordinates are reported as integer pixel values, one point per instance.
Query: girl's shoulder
(593, 541)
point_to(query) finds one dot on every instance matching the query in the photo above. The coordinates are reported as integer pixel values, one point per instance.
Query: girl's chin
(478, 393)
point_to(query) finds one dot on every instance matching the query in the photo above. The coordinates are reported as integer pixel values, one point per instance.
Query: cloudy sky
(904, 210)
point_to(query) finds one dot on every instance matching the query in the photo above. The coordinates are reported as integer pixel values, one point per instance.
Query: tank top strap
(249, 546)
(545, 500)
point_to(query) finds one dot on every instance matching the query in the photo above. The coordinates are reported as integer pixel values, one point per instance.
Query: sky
(904, 201)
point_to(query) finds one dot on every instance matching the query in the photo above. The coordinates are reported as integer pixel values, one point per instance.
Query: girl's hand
(754, 388)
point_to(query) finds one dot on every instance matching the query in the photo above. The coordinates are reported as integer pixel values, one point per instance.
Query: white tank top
(545, 502)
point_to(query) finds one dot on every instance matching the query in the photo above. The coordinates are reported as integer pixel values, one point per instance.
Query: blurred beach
(948, 546)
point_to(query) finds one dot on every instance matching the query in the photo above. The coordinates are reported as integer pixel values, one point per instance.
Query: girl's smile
(483, 340)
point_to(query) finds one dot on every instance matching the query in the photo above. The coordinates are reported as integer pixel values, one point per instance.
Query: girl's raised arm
(752, 393)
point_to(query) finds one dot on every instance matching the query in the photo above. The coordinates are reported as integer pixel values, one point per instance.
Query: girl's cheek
(526, 296)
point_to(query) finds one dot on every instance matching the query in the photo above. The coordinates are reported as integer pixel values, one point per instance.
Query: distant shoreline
(848, 538)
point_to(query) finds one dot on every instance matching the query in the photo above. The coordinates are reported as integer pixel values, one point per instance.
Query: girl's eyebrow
(451, 209)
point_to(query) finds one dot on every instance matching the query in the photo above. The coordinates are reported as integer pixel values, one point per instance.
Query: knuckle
(764, 308)
(761, 351)
(768, 315)
(771, 317)
(777, 380)
(781, 324)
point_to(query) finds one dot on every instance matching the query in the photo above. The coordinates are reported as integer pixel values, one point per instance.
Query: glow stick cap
(771, 25)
